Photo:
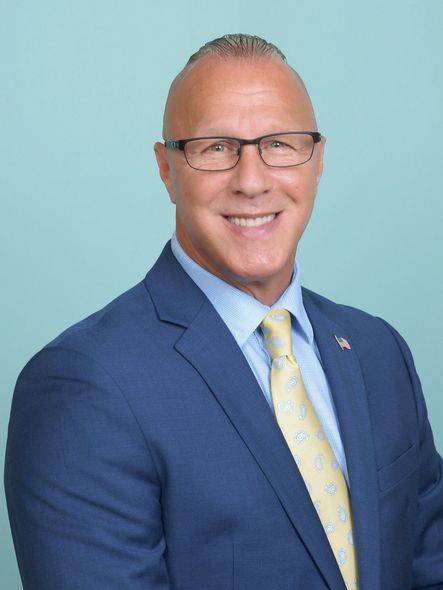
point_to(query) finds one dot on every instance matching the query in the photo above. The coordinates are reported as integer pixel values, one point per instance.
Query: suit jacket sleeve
(82, 490)
(427, 571)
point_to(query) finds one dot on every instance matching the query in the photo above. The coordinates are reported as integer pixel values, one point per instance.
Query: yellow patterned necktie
(309, 445)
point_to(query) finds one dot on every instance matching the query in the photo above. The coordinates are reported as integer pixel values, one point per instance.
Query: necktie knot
(276, 328)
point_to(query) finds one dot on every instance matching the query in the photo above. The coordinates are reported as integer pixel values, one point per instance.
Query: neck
(267, 294)
(265, 290)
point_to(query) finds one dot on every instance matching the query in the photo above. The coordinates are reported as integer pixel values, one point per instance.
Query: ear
(164, 168)
(321, 149)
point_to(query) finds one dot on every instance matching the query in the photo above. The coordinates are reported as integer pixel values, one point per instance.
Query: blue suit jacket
(143, 455)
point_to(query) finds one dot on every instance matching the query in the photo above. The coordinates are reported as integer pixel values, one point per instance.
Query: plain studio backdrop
(84, 213)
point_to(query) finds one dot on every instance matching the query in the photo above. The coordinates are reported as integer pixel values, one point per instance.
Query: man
(170, 441)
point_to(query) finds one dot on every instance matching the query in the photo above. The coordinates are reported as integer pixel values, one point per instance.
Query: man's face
(244, 99)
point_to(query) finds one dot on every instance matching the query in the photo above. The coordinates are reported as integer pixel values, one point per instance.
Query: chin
(261, 271)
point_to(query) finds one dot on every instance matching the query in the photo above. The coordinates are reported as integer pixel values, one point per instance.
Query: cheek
(192, 211)
(196, 194)
(301, 192)
(303, 187)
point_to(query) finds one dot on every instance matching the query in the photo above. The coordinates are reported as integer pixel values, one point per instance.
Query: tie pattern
(309, 445)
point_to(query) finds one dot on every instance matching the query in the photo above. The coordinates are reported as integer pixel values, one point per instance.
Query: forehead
(229, 96)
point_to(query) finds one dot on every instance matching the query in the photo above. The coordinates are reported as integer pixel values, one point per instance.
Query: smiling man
(242, 215)
(218, 426)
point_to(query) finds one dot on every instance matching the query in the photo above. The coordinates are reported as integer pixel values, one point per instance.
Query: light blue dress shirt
(243, 315)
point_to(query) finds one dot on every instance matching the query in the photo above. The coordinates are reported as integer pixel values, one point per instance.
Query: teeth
(251, 222)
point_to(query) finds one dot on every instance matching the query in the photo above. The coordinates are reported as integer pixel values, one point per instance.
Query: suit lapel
(345, 379)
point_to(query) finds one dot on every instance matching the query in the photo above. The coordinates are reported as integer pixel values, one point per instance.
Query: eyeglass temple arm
(171, 144)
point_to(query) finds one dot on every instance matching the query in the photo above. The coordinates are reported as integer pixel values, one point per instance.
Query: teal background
(84, 214)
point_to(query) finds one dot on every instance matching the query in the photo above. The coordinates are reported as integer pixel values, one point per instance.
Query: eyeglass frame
(180, 144)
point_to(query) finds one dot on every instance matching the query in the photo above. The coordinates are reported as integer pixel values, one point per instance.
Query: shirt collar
(241, 312)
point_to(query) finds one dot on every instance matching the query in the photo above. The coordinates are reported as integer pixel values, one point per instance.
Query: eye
(217, 147)
(276, 144)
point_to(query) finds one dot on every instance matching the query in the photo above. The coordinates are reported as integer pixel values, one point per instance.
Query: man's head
(241, 224)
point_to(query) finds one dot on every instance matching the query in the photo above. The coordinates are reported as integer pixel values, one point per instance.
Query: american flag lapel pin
(342, 342)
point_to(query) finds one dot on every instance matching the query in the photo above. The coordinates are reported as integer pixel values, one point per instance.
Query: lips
(252, 221)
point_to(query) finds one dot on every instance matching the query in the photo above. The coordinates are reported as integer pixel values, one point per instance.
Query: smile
(252, 221)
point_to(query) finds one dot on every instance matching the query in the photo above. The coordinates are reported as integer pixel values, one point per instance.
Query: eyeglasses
(279, 150)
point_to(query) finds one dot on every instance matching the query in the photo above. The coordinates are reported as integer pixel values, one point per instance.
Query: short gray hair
(237, 45)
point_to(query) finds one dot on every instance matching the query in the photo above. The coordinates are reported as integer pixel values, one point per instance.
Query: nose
(251, 177)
